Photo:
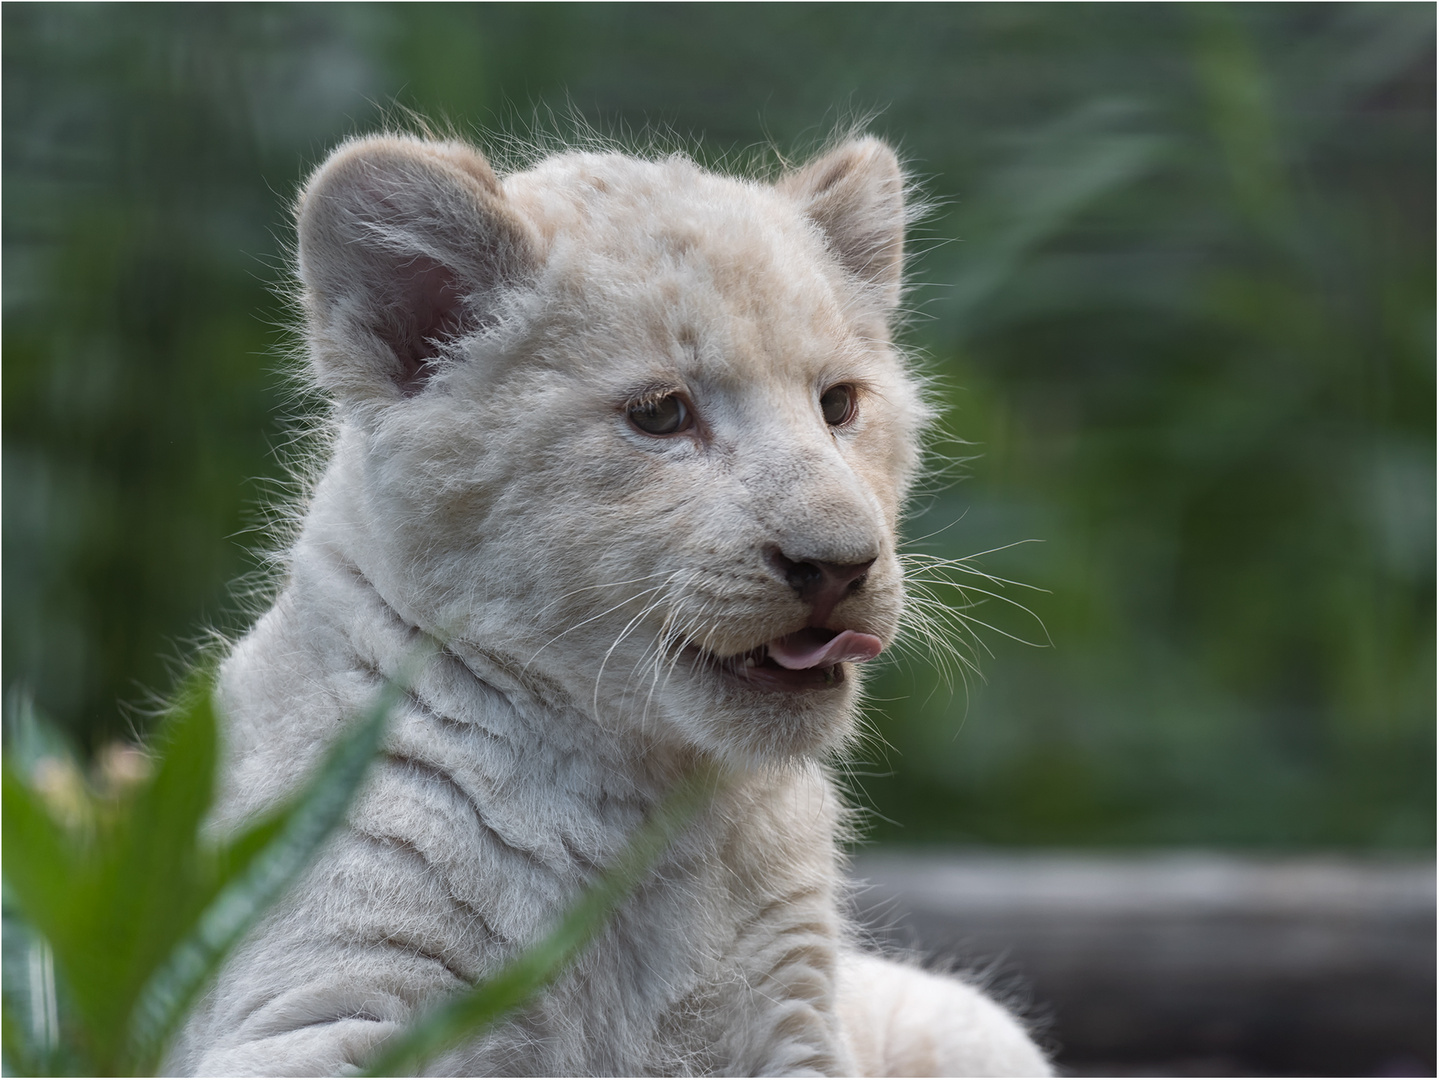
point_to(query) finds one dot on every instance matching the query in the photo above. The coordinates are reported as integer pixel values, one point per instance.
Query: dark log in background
(1183, 964)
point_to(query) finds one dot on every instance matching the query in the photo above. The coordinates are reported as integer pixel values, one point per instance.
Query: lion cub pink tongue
(812, 647)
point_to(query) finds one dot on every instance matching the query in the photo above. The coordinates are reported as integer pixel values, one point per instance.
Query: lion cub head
(630, 427)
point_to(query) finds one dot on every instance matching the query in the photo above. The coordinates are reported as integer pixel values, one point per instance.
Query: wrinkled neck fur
(335, 562)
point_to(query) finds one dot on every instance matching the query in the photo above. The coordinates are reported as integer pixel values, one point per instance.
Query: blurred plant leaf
(40, 864)
(138, 906)
(1241, 116)
(1364, 47)
(1063, 169)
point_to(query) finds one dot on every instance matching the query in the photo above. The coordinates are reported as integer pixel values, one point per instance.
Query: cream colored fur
(484, 342)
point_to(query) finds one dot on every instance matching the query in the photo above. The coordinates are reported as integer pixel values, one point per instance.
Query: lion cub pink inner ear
(855, 194)
(405, 246)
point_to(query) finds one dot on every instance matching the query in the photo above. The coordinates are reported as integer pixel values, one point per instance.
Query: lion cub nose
(820, 584)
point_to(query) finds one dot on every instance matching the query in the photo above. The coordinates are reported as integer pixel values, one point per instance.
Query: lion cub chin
(625, 442)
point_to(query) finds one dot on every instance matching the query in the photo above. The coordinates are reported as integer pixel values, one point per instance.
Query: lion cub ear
(855, 194)
(404, 247)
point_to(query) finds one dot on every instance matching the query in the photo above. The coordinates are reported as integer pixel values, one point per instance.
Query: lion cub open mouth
(808, 659)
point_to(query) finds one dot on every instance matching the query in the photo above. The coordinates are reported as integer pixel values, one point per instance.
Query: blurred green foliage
(1178, 291)
(119, 909)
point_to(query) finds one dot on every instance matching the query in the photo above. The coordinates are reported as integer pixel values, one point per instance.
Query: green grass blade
(156, 880)
(112, 894)
(464, 1016)
(262, 863)
(40, 864)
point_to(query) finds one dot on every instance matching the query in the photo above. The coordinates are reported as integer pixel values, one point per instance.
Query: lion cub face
(633, 430)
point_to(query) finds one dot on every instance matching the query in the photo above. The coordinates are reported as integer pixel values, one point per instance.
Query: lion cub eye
(838, 405)
(661, 416)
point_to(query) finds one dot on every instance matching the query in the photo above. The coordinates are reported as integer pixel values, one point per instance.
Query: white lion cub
(627, 440)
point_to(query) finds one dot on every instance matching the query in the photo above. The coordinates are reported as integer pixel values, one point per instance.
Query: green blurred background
(1178, 290)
